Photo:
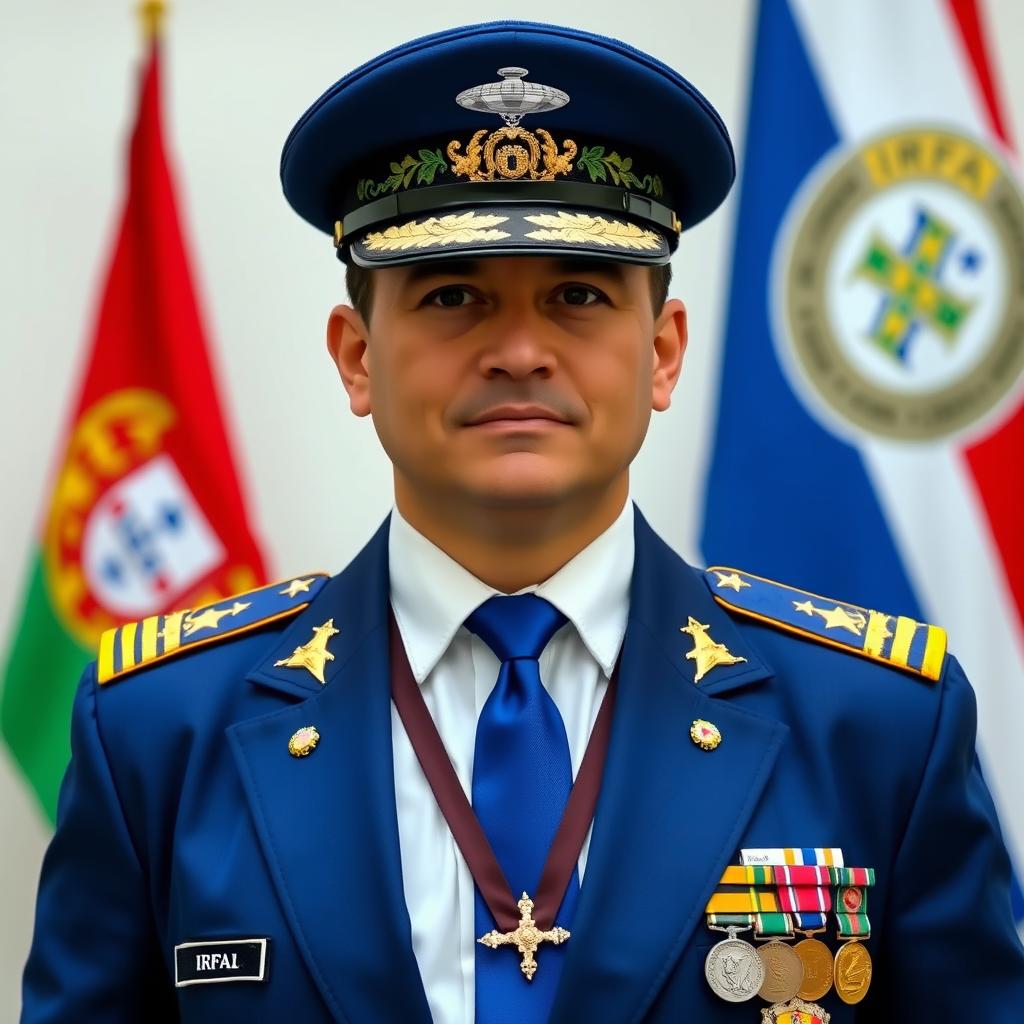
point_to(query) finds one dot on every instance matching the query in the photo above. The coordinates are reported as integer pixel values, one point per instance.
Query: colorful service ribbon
(749, 903)
(808, 923)
(803, 892)
(773, 926)
(794, 899)
(736, 874)
(743, 901)
(851, 907)
(802, 874)
(793, 855)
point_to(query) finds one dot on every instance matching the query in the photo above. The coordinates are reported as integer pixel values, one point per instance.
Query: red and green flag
(146, 513)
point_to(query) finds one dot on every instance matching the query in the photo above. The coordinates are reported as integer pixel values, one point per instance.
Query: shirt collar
(432, 595)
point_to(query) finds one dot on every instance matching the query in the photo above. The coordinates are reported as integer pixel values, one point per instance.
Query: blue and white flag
(870, 434)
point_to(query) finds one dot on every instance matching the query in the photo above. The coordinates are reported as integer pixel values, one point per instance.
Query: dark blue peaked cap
(390, 164)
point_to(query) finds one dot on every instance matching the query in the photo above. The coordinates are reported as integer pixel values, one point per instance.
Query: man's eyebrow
(569, 267)
(602, 268)
(442, 268)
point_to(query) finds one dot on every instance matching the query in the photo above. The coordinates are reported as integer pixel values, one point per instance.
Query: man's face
(503, 382)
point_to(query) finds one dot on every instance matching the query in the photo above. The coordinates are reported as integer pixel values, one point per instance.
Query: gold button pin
(304, 741)
(705, 734)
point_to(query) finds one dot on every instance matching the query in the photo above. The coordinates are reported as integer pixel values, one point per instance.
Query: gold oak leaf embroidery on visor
(447, 230)
(584, 229)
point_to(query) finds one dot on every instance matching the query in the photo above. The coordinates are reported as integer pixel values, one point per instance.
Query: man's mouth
(521, 416)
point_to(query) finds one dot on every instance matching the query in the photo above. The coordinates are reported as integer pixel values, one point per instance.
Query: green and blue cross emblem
(911, 281)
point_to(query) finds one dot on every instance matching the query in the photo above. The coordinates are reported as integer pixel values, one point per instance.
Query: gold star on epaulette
(835, 618)
(733, 580)
(209, 618)
(296, 587)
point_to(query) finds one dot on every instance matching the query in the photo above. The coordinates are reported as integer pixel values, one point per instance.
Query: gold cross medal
(526, 938)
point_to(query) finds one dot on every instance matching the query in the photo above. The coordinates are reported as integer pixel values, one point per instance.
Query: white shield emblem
(146, 541)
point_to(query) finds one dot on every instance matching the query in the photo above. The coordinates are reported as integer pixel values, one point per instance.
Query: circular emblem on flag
(899, 286)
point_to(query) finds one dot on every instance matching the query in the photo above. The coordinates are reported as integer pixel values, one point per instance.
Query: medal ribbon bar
(808, 923)
(774, 926)
(737, 874)
(793, 855)
(851, 902)
(803, 874)
(852, 876)
(747, 901)
(803, 897)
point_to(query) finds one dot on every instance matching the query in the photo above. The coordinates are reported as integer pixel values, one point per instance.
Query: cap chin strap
(532, 193)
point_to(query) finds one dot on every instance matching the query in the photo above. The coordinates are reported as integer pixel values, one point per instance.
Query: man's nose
(517, 347)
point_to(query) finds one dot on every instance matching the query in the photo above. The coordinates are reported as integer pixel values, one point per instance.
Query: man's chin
(521, 486)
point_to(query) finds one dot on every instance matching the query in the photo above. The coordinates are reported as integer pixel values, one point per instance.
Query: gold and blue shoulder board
(892, 639)
(137, 644)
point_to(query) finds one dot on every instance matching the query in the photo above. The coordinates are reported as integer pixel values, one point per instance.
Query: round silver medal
(734, 970)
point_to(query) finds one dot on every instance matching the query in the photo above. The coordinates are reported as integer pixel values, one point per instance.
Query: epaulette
(892, 639)
(134, 645)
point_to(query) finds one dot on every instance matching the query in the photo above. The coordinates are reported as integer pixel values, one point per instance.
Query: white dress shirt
(432, 595)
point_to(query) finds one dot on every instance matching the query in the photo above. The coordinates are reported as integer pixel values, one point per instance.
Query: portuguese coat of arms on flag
(146, 513)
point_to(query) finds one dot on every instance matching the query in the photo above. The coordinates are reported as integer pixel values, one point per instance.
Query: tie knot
(516, 627)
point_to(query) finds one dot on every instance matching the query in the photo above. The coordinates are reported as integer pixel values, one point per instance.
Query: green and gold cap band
(440, 198)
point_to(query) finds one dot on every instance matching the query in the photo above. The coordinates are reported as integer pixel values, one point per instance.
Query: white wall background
(238, 73)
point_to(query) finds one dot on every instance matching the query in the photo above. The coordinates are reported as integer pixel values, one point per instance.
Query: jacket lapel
(670, 815)
(327, 822)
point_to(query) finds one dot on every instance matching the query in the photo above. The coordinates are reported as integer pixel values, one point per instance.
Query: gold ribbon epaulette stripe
(168, 629)
(878, 628)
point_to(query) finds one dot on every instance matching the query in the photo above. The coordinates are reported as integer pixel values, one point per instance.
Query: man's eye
(581, 295)
(451, 296)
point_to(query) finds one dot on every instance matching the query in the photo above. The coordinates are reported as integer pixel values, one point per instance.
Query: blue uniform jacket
(184, 818)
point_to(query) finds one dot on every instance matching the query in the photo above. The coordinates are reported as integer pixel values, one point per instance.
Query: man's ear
(670, 338)
(347, 343)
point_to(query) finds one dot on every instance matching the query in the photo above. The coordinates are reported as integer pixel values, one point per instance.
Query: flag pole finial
(152, 14)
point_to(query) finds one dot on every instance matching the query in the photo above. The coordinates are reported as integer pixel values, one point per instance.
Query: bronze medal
(852, 972)
(817, 960)
(783, 972)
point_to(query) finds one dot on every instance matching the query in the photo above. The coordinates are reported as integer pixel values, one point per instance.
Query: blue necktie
(522, 774)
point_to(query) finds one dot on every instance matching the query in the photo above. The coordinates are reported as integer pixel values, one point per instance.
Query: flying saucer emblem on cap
(512, 98)
(512, 152)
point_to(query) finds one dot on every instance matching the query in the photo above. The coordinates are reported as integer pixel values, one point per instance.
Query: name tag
(200, 963)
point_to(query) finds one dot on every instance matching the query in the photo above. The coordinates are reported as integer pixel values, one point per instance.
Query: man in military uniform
(518, 761)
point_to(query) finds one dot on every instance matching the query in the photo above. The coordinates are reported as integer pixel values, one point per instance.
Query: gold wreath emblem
(584, 229)
(511, 153)
(447, 230)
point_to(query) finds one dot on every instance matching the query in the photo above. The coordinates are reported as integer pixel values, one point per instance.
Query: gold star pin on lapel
(313, 655)
(706, 653)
